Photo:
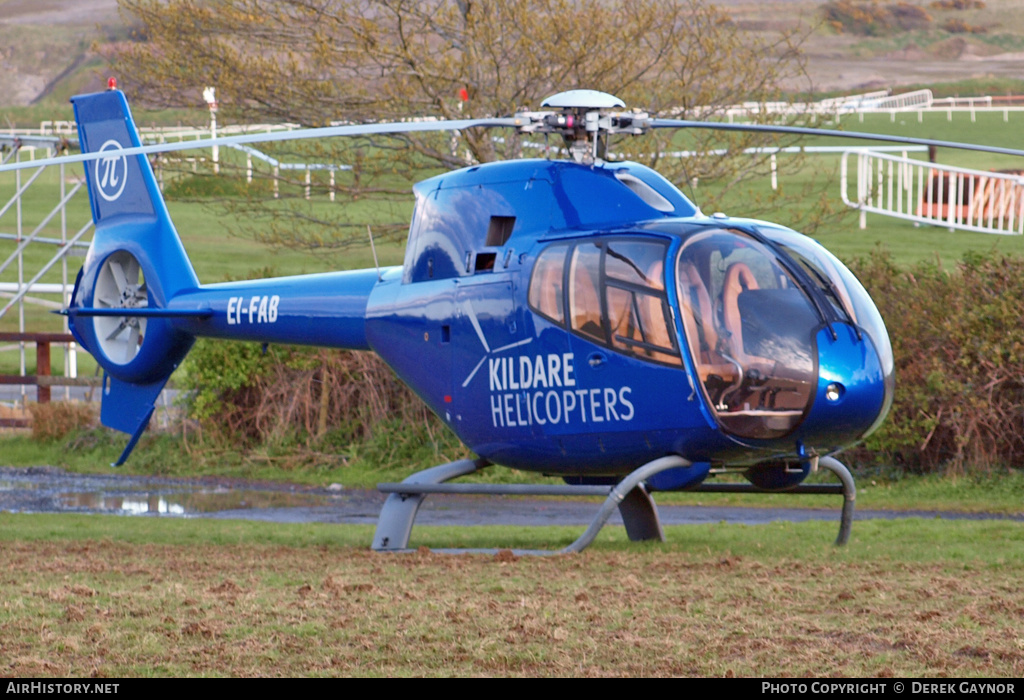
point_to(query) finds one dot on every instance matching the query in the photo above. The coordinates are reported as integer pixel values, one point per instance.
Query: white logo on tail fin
(111, 173)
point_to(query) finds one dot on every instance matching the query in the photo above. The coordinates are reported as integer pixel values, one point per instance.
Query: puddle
(52, 490)
(198, 502)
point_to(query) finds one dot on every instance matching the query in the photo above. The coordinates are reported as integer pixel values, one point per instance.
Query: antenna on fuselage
(374, 249)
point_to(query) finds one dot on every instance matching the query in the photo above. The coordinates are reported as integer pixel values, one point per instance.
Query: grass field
(121, 597)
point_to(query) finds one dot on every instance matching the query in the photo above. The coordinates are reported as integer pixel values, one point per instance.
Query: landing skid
(637, 508)
(846, 488)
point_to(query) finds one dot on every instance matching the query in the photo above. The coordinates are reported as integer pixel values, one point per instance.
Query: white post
(210, 95)
(861, 190)
(21, 274)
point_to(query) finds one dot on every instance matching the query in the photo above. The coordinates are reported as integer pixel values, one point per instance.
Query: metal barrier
(939, 195)
(24, 228)
(879, 102)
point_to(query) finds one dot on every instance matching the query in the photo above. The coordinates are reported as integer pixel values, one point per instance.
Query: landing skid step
(630, 496)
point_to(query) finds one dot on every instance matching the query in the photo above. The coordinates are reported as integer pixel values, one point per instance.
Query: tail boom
(324, 309)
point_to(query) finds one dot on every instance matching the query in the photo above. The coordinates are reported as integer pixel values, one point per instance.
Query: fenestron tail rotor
(120, 284)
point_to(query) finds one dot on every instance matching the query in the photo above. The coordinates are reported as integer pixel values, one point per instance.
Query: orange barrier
(972, 198)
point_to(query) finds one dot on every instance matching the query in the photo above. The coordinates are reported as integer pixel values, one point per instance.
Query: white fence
(879, 101)
(939, 195)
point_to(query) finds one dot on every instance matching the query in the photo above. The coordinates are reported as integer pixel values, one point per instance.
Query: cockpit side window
(584, 303)
(614, 295)
(545, 294)
(639, 322)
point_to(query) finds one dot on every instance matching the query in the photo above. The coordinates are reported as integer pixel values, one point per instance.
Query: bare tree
(314, 62)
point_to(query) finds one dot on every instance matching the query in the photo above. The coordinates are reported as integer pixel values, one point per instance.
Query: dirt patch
(46, 12)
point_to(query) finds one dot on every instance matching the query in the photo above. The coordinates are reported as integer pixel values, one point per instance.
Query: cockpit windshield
(751, 333)
(846, 294)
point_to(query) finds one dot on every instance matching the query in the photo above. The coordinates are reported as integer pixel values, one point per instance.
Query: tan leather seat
(702, 337)
(550, 301)
(584, 304)
(655, 324)
(738, 278)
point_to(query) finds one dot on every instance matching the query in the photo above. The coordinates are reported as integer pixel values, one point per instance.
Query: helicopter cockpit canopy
(751, 303)
(751, 331)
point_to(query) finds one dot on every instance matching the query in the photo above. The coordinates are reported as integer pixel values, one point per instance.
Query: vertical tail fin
(135, 266)
(127, 206)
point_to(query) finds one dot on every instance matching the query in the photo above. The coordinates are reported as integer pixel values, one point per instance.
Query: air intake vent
(499, 230)
(645, 192)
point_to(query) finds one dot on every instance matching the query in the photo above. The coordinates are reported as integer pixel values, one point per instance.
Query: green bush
(958, 340)
(872, 18)
(299, 399)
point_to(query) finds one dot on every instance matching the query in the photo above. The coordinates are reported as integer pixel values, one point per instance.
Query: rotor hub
(584, 119)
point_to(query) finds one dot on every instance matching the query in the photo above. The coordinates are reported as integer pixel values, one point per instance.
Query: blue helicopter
(579, 318)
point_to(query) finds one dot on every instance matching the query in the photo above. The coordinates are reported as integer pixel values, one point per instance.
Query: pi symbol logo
(111, 173)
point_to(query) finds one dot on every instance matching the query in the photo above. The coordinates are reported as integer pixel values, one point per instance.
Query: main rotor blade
(808, 131)
(263, 137)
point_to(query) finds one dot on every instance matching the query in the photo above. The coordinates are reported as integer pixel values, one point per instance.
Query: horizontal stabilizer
(144, 312)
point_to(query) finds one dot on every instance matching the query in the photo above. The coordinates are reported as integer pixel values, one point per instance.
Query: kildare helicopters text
(578, 318)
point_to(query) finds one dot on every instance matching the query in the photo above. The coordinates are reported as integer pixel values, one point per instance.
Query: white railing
(939, 195)
(880, 102)
(917, 99)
